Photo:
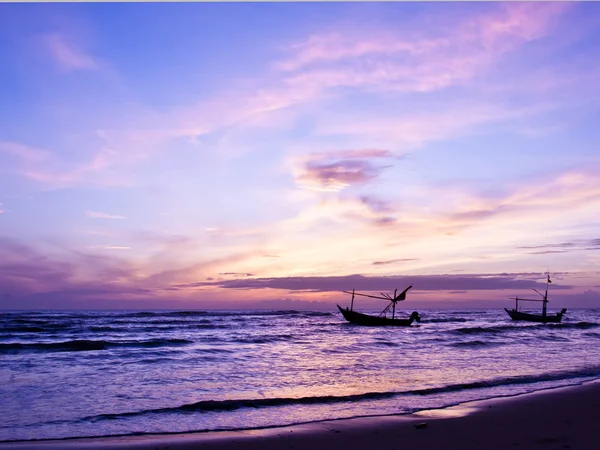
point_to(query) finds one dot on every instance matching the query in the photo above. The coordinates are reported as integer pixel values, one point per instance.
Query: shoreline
(476, 424)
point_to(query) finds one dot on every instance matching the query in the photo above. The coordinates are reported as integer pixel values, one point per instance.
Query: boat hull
(549, 318)
(364, 319)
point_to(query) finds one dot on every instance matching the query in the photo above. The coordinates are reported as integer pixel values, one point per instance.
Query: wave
(230, 405)
(493, 329)
(166, 313)
(23, 329)
(87, 345)
(446, 319)
(578, 325)
(537, 326)
(519, 379)
(284, 312)
(263, 339)
(43, 325)
(476, 344)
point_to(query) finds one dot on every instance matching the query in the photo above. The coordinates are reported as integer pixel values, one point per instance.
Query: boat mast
(545, 303)
(352, 302)
(394, 303)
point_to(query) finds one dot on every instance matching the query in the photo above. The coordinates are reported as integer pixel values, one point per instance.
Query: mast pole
(352, 302)
(545, 303)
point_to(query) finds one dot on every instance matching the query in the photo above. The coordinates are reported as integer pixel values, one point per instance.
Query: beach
(560, 418)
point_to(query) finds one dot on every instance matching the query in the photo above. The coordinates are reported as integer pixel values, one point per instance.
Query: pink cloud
(101, 215)
(80, 279)
(333, 171)
(66, 55)
(86, 173)
(338, 174)
(410, 62)
(411, 130)
(381, 59)
(348, 154)
(25, 153)
(547, 200)
(375, 204)
(145, 133)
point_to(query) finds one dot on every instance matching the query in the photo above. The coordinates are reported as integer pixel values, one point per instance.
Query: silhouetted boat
(515, 314)
(381, 320)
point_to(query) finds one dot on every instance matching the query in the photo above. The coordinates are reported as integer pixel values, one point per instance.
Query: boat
(381, 320)
(515, 314)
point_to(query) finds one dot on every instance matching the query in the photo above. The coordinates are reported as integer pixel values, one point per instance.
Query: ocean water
(67, 374)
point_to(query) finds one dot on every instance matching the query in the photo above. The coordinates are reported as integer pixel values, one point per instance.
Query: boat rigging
(515, 314)
(364, 319)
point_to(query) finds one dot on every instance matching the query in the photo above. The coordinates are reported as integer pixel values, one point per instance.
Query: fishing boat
(515, 314)
(381, 320)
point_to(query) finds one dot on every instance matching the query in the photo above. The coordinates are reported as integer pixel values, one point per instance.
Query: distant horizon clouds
(270, 155)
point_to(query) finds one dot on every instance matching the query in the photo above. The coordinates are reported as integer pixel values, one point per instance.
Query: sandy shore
(564, 418)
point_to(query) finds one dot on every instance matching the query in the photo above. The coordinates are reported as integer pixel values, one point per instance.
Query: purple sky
(243, 155)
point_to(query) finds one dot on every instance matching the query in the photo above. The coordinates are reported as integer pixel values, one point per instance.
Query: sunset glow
(271, 155)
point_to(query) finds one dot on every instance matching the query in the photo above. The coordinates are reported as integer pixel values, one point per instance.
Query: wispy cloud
(109, 247)
(456, 51)
(393, 261)
(375, 204)
(563, 247)
(24, 153)
(101, 215)
(236, 274)
(411, 62)
(66, 54)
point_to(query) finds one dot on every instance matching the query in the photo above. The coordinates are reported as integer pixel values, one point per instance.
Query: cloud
(337, 170)
(24, 153)
(101, 215)
(78, 279)
(457, 50)
(378, 283)
(73, 278)
(393, 261)
(541, 199)
(171, 240)
(237, 274)
(337, 175)
(109, 247)
(66, 54)
(563, 247)
(451, 52)
(376, 205)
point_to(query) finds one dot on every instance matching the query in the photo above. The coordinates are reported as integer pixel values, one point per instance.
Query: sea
(99, 373)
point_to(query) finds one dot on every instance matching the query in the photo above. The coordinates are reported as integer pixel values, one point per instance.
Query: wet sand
(563, 418)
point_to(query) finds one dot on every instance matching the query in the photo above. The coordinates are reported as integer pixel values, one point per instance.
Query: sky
(272, 155)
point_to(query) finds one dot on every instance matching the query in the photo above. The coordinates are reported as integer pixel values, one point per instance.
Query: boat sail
(515, 314)
(364, 319)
